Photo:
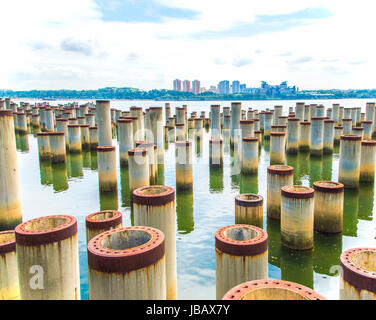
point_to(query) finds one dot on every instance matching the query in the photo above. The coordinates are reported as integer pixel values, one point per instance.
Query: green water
(72, 189)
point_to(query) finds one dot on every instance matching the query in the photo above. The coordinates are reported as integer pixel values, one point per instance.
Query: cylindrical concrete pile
(10, 199)
(317, 136)
(107, 168)
(9, 288)
(292, 137)
(297, 217)
(102, 221)
(183, 165)
(328, 208)
(367, 161)
(250, 155)
(127, 263)
(328, 138)
(74, 138)
(138, 169)
(358, 274)
(277, 147)
(249, 209)
(154, 206)
(241, 254)
(304, 136)
(47, 258)
(278, 176)
(349, 161)
(216, 153)
(236, 108)
(104, 122)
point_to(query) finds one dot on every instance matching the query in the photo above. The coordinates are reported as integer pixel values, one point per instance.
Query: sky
(146, 44)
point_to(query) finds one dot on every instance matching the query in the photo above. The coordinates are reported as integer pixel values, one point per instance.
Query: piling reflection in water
(93, 160)
(274, 242)
(315, 170)
(184, 211)
(124, 187)
(215, 179)
(297, 266)
(198, 147)
(293, 160)
(350, 212)
(75, 161)
(327, 251)
(248, 183)
(45, 172)
(327, 163)
(365, 201)
(160, 176)
(86, 159)
(108, 200)
(22, 142)
(59, 177)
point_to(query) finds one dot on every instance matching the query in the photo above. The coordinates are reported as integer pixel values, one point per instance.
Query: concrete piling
(292, 138)
(154, 207)
(297, 217)
(10, 199)
(317, 136)
(349, 161)
(368, 129)
(241, 254)
(328, 208)
(44, 149)
(183, 165)
(215, 123)
(328, 137)
(48, 247)
(249, 209)
(250, 155)
(103, 118)
(93, 133)
(299, 110)
(304, 142)
(127, 263)
(126, 142)
(278, 176)
(367, 161)
(215, 153)
(236, 108)
(358, 274)
(102, 221)
(74, 138)
(57, 147)
(107, 168)
(9, 287)
(277, 147)
(268, 116)
(347, 126)
(138, 169)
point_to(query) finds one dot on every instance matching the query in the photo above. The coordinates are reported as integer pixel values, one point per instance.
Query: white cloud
(150, 55)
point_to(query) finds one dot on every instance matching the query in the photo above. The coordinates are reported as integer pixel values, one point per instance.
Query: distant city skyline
(91, 44)
(225, 87)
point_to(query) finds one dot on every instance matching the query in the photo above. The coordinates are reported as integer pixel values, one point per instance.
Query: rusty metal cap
(351, 137)
(368, 142)
(250, 139)
(137, 152)
(239, 291)
(106, 148)
(154, 195)
(26, 235)
(328, 186)
(356, 275)
(7, 242)
(215, 141)
(94, 223)
(123, 261)
(249, 200)
(252, 247)
(280, 169)
(297, 192)
(183, 143)
(280, 134)
(6, 113)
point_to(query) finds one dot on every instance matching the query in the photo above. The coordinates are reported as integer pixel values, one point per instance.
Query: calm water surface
(73, 189)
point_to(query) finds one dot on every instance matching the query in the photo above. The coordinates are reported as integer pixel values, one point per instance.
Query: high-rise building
(186, 86)
(196, 87)
(243, 87)
(235, 86)
(177, 85)
(224, 87)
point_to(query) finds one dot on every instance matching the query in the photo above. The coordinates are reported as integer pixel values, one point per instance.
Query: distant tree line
(136, 94)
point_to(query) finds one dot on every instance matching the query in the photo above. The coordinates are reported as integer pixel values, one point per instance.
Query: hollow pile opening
(272, 294)
(240, 233)
(44, 224)
(365, 260)
(6, 237)
(126, 239)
